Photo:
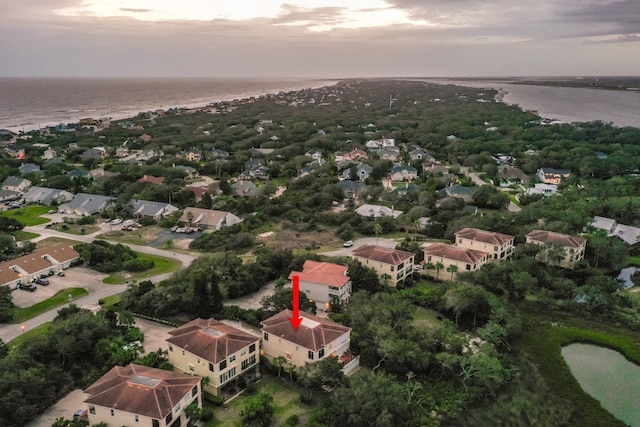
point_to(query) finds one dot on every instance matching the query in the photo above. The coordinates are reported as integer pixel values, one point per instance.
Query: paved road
(96, 291)
(387, 243)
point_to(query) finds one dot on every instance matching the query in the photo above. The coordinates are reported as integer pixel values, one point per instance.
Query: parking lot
(76, 277)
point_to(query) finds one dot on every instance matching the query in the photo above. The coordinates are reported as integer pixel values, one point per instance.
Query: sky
(318, 38)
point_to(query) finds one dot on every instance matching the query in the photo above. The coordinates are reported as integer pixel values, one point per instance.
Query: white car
(116, 221)
(348, 243)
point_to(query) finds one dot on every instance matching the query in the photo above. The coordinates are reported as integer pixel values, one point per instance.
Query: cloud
(128, 9)
(292, 15)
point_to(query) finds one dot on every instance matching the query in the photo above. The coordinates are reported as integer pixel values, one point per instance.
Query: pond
(608, 377)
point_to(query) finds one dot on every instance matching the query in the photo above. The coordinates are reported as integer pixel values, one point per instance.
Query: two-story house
(209, 348)
(193, 155)
(315, 339)
(137, 395)
(392, 265)
(572, 247)
(461, 258)
(14, 183)
(553, 176)
(324, 283)
(403, 173)
(499, 246)
(314, 153)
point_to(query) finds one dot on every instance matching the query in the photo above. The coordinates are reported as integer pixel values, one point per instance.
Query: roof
(459, 189)
(322, 273)
(44, 194)
(141, 390)
(36, 261)
(205, 216)
(555, 171)
(484, 236)
(314, 332)
(157, 180)
(556, 238)
(61, 252)
(14, 181)
(376, 211)
(604, 223)
(89, 203)
(386, 255)
(210, 339)
(401, 168)
(149, 208)
(456, 253)
(629, 234)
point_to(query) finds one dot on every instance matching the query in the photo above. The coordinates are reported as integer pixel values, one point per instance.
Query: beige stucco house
(395, 264)
(209, 348)
(29, 267)
(499, 246)
(573, 247)
(208, 219)
(324, 283)
(138, 395)
(316, 339)
(450, 255)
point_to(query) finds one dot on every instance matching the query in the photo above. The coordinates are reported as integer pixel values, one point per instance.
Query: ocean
(32, 103)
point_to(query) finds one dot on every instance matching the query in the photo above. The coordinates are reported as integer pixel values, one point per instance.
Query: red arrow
(296, 319)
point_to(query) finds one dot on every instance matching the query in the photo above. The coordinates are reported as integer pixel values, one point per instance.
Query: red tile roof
(452, 252)
(386, 255)
(141, 390)
(314, 332)
(484, 236)
(210, 339)
(157, 180)
(556, 238)
(322, 273)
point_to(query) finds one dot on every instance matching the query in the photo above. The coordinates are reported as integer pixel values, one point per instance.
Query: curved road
(9, 332)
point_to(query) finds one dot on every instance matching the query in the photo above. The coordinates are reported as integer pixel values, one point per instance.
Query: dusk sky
(319, 38)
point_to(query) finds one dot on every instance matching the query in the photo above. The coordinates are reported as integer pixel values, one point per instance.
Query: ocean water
(31, 103)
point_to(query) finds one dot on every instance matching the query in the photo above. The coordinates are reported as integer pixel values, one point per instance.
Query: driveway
(386, 243)
(64, 408)
(253, 301)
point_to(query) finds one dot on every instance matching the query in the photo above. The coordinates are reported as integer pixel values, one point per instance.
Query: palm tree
(279, 363)
(385, 278)
(429, 266)
(439, 266)
(377, 228)
(452, 269)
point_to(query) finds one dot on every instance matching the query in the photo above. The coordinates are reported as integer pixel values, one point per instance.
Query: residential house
(15, 151)
(84, 204)
(392, 265)
(377, 211)
(7, 195)
(512, 174)
(189, 172)
(94, 153)
(381, 143)
(351, 190)
(211, 349)
(194, 155)
(403, 173)
(572, 247)
(155, 180)
(544, 189)
(628, 234)
(49, 153)
(139, 395)
(122, 151)
(29, 168)
(355, 154)
(14, 183)
(387, 154)
(260, 172)
(406, 189)
(553, 176)
(419, 154)
(315, 339)
(77, 173)
(29, 267)
(244, 189)
(499, 246)
(453, 258)
(208, 219)
(363, 171)
(253, 163)
(198, 192)
(100, 173)
(324, 283)
(464, 193)
(46, 196)
(219, 154)
(155, 210)
(315, 154)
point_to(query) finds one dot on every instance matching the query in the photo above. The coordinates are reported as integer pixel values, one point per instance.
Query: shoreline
(114, 114)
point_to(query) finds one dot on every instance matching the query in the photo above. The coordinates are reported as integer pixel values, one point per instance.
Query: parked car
(127, 228)
(43, 282)
(27, 287)
(348, 243)
(116, 221)
(61, 273)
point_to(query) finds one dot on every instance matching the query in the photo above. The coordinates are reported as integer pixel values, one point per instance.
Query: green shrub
(293, 420)
(136, 265)
(147, 221)
(86, 220)
(207, 415)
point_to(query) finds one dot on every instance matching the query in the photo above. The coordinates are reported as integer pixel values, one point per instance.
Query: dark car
(27, 287)
(43, 282)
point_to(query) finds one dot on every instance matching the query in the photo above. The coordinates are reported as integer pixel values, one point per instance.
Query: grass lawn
(427, 317)
(28, 335)
(24, 235)
(633, 260)
(112, 300)
(162, 265)
(286, 400)
(29, 215)
(80, 230)
(60, 298)
(52, 241)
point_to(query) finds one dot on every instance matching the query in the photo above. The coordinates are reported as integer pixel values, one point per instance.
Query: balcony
(350, 363)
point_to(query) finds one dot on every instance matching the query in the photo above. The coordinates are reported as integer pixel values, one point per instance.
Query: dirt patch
(301, 240)
(181, 244)
(136, 236)
(52, 241)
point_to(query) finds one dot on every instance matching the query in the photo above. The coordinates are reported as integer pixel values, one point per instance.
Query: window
(228, 375)
(287, 355)
(232, 359)
(460, 241)
(495, 249)
(252, 348)
(198, 360)
(183, 352)
(468, 267)
(169, 418)
(211, 366)
(321, 353)
(248, 362)
(112, 412)
(170, 348)
(194, 391)
(191, 368)
(155, 423)
(310, 355)
(177, 408)
(392, 267)
(92, 409)
(223, 364)
(265, 336)
(243, 352)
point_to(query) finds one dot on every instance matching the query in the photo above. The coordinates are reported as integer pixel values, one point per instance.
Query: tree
(279, 362)
(193, 412)
(468, 304)
(225, 187)
(282, 299)
(325, 374)
(429, 266)
(9, 225)
(452, 269)
(207, 201)
(363, 278)
(377, 228)
(6, 304)
(258, 411)
(439, 266)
